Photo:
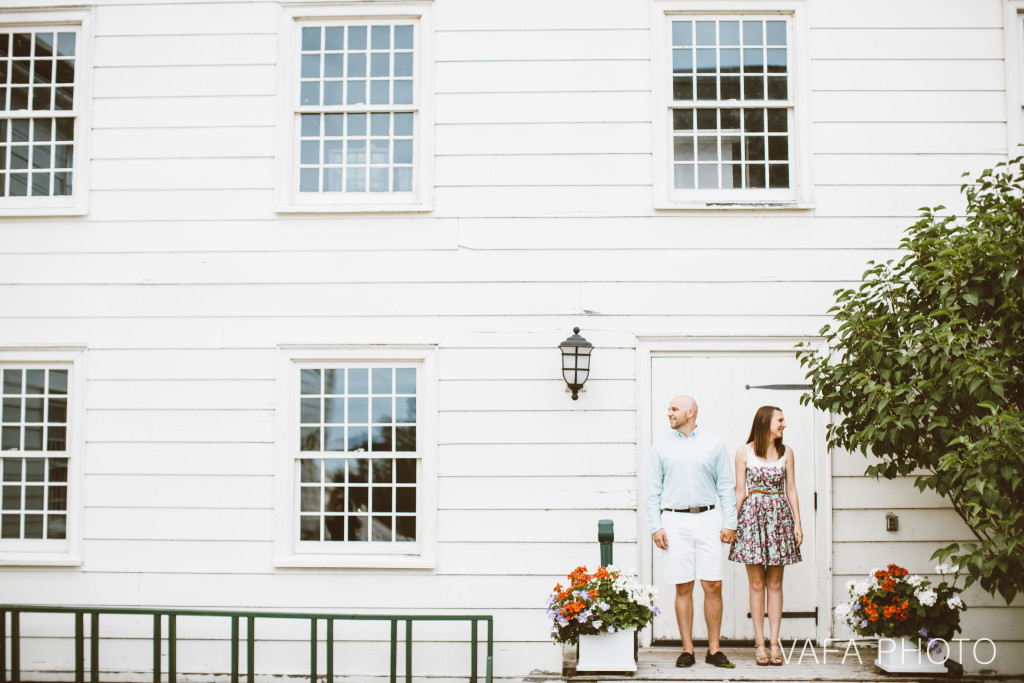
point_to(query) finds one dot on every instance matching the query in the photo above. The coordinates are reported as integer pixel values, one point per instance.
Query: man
(689, 468)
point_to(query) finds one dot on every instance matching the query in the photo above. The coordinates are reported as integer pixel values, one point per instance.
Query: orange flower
(888, 585)
(595, 593)
(602, 573)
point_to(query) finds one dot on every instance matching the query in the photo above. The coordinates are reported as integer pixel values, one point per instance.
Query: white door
(729, 387)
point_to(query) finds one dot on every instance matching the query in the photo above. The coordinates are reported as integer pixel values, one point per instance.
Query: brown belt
(763, 491)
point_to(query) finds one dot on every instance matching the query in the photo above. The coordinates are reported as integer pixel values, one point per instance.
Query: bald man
(689, 475)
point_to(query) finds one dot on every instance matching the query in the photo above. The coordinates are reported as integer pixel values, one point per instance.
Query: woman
(768, 535)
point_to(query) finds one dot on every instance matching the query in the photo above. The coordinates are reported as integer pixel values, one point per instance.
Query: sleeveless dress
(765, 530)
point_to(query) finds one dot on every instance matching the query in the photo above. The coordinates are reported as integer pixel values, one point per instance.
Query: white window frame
(296, 15)
(66, 552)
(1013, 30)
(79, 18)
(798, 196)
(421, 554)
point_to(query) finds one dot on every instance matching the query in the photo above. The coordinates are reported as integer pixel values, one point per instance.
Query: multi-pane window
(37, 112)
(356, 108)
(34, 463)
(731, 108)
(357, 455)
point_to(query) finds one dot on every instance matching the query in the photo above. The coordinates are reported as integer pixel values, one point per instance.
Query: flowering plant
(606, 601)
(892, 603)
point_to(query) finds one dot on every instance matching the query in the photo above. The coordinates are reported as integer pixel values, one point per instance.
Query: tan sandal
(760, 659)
(776, 659)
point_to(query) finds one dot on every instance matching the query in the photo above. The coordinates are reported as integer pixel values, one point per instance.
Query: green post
(94, 647)
(312, 650)
(408, 651)
(250, 644)
(79, 647)
(394, 650)
(605, 536)
(234, 649)
(330, 651)
(157, 637)
(15, 647)
(3, 646)
(473, 652)
(172, 648)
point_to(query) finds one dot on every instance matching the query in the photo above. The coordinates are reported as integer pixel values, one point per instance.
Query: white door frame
(647, 347)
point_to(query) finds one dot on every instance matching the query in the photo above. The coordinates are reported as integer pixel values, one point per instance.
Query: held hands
(729, 535)
(661, 539)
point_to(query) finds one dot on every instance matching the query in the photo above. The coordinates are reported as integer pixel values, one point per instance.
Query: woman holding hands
(768, 535)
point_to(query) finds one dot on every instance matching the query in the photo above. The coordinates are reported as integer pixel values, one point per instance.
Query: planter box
(900, 655)
(608, 652)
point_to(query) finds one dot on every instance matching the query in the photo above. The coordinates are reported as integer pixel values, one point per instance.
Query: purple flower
(864, 624)
(856, 607)
(923, 632)
(656, 611)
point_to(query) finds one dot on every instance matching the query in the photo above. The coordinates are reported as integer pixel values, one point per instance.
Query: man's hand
(661, 539)
(728, 535)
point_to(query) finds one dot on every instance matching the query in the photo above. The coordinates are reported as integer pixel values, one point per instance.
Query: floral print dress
(765, 530)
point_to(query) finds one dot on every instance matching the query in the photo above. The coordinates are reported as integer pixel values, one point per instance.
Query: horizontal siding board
(909, 138)
(548, 394)
(186, 49)
(938, 525)
(181, 426)
(701, 298)
(471, 268)
(538, 493)
(532, 363)
(562, 459)
(165, 491)
(548, 107)
(462, 15)
(522, 559)
(898, 107)
(563, 44)
(543, 169)
(532, 526)
(183, 174)
(169, 19)
(879, 14)
(894, 201)
(182, 364)
(860, 557)
(591, 426)
(915, 42)
(181, 205)
(183, 143)
(499, 139)
(908, 75)
(198, 80)
(858, 169)
(166, 394)
(200, 459)
(855, 493)
(178, 112)
(583, 76)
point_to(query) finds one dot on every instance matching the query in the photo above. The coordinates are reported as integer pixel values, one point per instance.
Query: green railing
(171, 615)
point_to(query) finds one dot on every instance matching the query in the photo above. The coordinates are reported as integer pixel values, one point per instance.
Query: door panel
(719, 382)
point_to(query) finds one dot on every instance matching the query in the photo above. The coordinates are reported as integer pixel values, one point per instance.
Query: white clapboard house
(282, 286)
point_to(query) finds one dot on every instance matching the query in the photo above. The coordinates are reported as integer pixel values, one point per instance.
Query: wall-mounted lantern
(892, 522)
(575, 361)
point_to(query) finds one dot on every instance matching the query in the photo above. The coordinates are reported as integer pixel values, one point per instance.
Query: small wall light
(892, 522)
(575, 361)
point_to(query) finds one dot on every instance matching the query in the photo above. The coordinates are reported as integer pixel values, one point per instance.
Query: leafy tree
(925, 370)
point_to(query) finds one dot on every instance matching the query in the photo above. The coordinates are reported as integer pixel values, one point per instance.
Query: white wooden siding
(182, 281)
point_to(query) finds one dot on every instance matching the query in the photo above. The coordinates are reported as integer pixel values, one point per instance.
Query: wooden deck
(658, 664)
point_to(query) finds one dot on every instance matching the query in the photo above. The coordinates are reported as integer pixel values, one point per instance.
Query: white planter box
(900, 655)
(607, 652)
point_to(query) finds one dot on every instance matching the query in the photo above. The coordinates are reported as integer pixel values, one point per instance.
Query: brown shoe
(761, 655)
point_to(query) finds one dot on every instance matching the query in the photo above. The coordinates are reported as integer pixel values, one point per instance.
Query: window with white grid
(729, 120)
(41, 105)
(359, 135)
(357, 454)
(34, 463)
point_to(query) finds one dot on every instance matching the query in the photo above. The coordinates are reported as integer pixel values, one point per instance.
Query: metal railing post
(3, 646)
(15, 647)
(94, 647)
(79, 647)
(473, 652)
(490, 649)
(605, 536)
(157, 637)
(312, 650)
(330, 651)
(394, 650)
(234, 649)
(250, 652)
(172, 648)
(408, 651)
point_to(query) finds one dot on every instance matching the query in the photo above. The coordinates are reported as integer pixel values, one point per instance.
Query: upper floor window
(1014, 49)
(41, 106)
(729, 101)
(359, 135)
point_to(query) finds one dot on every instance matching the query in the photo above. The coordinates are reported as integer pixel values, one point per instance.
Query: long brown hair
(760, 432)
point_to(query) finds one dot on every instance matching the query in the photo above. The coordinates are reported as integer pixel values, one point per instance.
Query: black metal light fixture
(575, 361)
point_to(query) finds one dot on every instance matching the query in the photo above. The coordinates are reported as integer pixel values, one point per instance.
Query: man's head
(682, 413)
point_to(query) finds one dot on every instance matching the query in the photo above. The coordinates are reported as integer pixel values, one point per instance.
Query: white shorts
(695, 548)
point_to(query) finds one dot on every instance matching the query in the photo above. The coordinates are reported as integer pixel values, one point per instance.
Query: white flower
(858, 588)
(871, 574)
(944, 568)
(842, 610)
(955, 602)
(926, 596)
(915, 580)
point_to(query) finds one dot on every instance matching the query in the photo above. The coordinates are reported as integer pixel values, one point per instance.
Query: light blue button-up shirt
(685, 471)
